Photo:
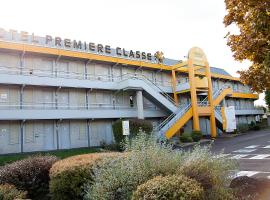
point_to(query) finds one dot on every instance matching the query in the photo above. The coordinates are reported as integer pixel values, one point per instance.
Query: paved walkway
(252, 151)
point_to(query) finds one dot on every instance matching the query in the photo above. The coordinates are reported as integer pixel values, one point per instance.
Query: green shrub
(186, 137)
(135, 125)
(253, 126)
(169, 187)
(211, 171)
(10, 192)
(30, 174)
(196, 136)
(69, 175)
(118, 178)
(242, 128)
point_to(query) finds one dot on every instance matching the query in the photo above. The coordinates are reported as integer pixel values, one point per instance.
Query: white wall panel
(9, 60)
(100, 131)
(78, 134)
(10, 137)
(64, 135)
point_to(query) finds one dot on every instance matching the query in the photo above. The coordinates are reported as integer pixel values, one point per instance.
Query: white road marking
(244, 150)
(221, 155)
(267, 147)
(238, 156)
(246, 173)
(260, 156)
(252, 147)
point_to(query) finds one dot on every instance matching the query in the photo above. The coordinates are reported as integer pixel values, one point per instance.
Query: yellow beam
(174, 87)
(193, 94)
(180, 65)
(245, 96)
(211, 102)
(76, 54)
(204, 111)
(224, 93)
(179, 124)
(224, 119)
(183, 91)
(84, 55)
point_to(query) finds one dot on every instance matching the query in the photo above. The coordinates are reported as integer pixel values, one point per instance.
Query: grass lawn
(60, 154)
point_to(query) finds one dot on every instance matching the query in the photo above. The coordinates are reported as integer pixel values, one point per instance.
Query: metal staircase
(172, 119)
(180, 115)
(218, 114)
(150, 90)
(183, 114)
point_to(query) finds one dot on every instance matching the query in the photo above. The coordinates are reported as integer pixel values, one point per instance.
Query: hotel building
(58, 93)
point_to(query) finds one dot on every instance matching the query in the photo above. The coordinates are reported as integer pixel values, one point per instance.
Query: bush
(135, 125)
(118, 178)
(30, 174)
(186, 137)
(253, 126)
(211, 171)
(242, 128)
(196, 136)
(169, 187)
(10, 192)
(251, 188)
(69, 175)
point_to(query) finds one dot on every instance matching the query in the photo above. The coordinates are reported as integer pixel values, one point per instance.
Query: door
(47, 67)
(62, 69)
(64, 136)
(63, 99)
(48, 136)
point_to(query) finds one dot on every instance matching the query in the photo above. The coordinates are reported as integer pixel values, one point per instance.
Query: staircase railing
(149, 83)
(218, 112)
(169, 121)
(218, 91)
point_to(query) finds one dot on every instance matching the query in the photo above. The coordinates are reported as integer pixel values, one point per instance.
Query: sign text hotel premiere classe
(73, 44)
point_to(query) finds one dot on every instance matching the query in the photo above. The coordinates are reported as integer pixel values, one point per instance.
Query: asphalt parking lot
(251, 150)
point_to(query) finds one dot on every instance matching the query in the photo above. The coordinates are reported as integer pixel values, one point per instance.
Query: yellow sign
(197, 55)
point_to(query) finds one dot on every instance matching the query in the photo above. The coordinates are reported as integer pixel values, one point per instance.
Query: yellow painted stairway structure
(170, 126)
(222, 94)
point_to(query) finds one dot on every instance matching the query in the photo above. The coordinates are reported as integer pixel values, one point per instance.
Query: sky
(170, 26)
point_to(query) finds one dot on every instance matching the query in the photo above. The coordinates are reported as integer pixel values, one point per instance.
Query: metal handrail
(203, 103)
(149, 82)
(218, 91)
(54, 105)
(62, 74)
(181, 110)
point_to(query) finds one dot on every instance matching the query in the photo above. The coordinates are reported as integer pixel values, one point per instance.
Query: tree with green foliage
(267, 99)
(252, 17)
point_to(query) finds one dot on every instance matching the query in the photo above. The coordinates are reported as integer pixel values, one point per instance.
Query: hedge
(30, 174)
(10, 192)
(69, 175)
(135, 125)
(169, 187)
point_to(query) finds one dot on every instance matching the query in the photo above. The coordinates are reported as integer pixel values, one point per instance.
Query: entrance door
(48, 136)
(63, 99)
(64, 136)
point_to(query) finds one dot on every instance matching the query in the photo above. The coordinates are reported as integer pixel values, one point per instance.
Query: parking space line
(238, 156)
(252, 147)
(260, 156)
(244, 150)
(246, 173)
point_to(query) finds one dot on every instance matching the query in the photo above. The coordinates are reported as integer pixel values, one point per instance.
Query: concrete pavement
(252, 152)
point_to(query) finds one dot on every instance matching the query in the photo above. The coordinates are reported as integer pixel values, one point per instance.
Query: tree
(252, 17)
(267, 99)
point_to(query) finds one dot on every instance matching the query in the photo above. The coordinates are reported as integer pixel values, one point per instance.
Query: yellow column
(193, 94)
(174, 87)
(211, 101)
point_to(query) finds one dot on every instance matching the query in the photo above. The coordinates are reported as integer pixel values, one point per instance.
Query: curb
(203, 141)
